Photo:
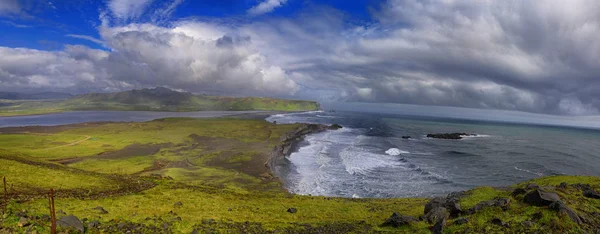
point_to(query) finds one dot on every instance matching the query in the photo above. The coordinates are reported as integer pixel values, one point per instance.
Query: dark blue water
(368, 157)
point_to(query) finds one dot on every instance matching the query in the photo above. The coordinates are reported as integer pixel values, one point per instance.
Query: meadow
(181, 174)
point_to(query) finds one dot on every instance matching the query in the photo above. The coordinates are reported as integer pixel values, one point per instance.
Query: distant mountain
(155, 99)
(34, 96)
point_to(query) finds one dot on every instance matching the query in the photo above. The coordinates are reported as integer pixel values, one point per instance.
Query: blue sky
(532, 56)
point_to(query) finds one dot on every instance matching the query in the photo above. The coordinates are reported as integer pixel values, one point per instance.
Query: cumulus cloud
(540, 56)
(266, 6)
(128, 9)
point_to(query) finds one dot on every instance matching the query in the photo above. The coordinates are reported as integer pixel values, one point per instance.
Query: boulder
(451, 203)
(397, 220)
(560, 207)
(292, 210)
(540, 197)
(436, 214)
(503, 203)
(438, 228)
(335, 127)
(518, 191)
(70, 221)
(591, 194)
(499, 222)
(461, 221)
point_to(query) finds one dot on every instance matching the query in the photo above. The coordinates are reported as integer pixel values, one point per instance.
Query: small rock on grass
(499, 222)
(562, 208)
(590, 193)
(70, 221)
(23, 222)
(178, 204)
(563, 185)
(461, 221)
(397, 220)
(540, 197)
(292, 210)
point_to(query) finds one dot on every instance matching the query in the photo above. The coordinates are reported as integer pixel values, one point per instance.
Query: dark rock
(532, 186)
(70, 221)
(451, 203)
(450, 136)
(503, 203)
(21, 214)
(591, 194)
(178, 204)
(45, 217)
(582, 186)
(438, 228)
(93, 224)
(537, 216)
(195, 231)
(397, 220)
(560, 207)
(100, 209)
(518, 191)
(176, 219)
(436, 214)
(335, 127)
(539, 197)
(528, 224)
(563, 185)
(499, 222)
(23, 222)
(406, 137)
(461, 221)
(292, 210)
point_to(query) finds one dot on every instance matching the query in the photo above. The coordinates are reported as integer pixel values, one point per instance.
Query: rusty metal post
(52, 212)
(5, 197)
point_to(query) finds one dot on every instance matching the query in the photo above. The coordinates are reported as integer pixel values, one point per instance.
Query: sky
(538, 56)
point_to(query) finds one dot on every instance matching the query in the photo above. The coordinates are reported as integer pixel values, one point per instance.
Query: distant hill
(155, 99)
(34, 96)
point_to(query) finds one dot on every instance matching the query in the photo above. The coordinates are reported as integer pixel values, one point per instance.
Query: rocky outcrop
(560, 207)
(540, 197)
(289, 143)
(590, 193)
(449, 136)
(450, 203)
(503, 203)
(397, 220)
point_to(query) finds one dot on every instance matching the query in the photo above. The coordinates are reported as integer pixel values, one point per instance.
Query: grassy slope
(219, 176)
(152, 100)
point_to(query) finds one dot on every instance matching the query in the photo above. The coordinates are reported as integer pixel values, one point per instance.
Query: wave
(357, 161)
(528, 171)
(395, 152)
(476, 136)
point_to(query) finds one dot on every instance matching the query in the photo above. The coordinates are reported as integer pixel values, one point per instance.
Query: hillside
(156, 99)
(180, 175)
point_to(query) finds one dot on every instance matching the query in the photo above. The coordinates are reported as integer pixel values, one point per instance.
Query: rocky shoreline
(289, 143)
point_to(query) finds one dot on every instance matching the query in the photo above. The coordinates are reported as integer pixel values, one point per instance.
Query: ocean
(369, 158)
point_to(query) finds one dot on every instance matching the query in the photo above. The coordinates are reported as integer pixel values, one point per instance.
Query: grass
(215, 168)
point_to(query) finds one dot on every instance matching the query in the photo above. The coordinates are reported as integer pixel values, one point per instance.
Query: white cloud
(128, 9)
(85, 37)
(266, 6)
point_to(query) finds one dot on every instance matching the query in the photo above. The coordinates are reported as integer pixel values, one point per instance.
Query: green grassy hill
(157, 99)
(177, 175)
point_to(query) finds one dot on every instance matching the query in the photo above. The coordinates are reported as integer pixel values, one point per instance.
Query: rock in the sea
(461, 221)
(23, 222)
(560, 207)
(406, 137)
(540, 197)
(397, 220)
(335, 127)
(292, 210)
(591, 194)
(70, 221)
(450, 136)
(436, 214)
(503, 203)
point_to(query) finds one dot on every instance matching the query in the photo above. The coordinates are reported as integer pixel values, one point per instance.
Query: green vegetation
(181, 174)
(158, 99)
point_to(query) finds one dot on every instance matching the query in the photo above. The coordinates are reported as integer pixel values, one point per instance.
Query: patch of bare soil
(129, 151)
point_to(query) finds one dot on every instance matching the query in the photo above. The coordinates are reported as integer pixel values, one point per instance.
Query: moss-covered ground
(179, 175)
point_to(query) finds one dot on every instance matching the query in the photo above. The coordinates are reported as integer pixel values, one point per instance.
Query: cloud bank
(535, 56)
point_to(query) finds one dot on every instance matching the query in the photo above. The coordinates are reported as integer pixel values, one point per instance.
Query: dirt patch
(128, 151)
